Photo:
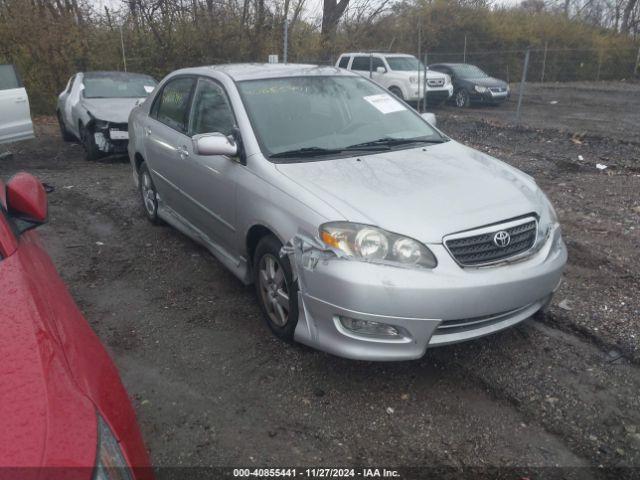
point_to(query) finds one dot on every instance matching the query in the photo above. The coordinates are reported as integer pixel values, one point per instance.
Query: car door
(212, 179)
(15, 117)
(165, 141)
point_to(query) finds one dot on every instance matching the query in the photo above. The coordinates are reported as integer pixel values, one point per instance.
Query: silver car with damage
(367, 232)
(94, 109)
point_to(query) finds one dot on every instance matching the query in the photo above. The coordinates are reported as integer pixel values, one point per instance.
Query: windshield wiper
(306, 152)
(391, 142)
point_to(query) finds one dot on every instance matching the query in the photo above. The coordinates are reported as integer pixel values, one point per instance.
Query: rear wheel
(276, 290)
(397, 92)
(64, 133)
(148, 194)
(462, 98)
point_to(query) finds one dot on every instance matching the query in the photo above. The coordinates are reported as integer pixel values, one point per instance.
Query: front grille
(466, 324)
(435, 82)
(498, 89)
(481, 247)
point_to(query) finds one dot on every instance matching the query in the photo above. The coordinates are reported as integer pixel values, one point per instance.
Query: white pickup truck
(15, 116)
(401, 74)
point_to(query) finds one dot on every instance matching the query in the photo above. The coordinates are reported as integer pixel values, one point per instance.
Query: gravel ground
(212, 386)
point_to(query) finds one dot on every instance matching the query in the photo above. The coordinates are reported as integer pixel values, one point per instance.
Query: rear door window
(172, 104)
(8, 78)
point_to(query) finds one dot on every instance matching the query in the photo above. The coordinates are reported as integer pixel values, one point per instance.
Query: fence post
(522, 84)
(286, 40)
(371, 65)
(124, 57)
(599, 66)
(464, 54)
(544, 61)
(424, 90)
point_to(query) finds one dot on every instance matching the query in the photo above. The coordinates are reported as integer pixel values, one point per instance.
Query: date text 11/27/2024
(315, 473)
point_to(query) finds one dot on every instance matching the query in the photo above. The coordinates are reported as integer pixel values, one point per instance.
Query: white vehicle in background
(94, 108)
(15, 116)
(401, 74)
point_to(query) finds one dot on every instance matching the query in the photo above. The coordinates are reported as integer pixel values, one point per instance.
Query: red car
(63, 410)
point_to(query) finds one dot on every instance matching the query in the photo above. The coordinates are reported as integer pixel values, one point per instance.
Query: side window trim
(201, 79)
(157, 102)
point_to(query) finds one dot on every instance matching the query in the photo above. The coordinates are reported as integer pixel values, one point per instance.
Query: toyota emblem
(502, 239)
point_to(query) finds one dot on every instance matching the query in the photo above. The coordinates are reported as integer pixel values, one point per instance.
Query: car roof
(257, 71)
(451, 64)
(384, 54)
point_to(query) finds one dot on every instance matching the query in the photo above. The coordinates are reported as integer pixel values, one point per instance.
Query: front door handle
(147, 130)
(183, 152)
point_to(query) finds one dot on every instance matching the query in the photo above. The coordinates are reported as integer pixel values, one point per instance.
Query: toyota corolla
(367, 232)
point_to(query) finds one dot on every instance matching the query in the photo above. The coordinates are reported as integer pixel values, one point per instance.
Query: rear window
(8, 78)
(344, 62)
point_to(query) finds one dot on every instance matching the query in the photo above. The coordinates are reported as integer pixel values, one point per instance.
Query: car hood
(487, 82)
(114, 110)
(44, 419)
(425, 193)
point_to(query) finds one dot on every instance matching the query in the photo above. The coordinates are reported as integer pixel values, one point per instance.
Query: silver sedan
(367, 232)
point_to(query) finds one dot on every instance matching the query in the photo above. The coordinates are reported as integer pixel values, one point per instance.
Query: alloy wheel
(274, 289)
(148, 194)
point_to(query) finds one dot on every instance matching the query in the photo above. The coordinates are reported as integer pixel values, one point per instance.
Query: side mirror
(381, 70)
(214, 144)
(429, 117)
(26, 201)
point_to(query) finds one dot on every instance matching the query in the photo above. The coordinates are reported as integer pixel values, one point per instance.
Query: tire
(461, 98)
(397, 92)
(276, 291)
(64, 133)
(148, 195)
(89, 144)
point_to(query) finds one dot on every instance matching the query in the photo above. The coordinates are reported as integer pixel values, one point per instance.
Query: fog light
(366, 327)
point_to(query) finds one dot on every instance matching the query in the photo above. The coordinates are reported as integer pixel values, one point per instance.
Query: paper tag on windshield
(385, 103)
(149, 88)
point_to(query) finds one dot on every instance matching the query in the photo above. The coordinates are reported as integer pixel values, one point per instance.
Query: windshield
(468, 71)
(405, 64)
(117, 85)
(317, 113)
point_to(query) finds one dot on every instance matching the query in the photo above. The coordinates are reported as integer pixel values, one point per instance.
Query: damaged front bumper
(111, 138)
(418, 308)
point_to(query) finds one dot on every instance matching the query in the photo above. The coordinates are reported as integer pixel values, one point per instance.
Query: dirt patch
(212, 386)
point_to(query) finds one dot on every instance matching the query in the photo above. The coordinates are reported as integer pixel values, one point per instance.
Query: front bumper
(417, 93)
(490, 97)
(428, 308)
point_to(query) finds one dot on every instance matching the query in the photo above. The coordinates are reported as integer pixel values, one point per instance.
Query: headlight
(110, 462)
(548, 218)
(480, 89)
(413, 79)
(101, 124)
(364, 242)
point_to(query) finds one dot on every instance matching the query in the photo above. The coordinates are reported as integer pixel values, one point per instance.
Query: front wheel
(91, 150)
(276, 290)
(462, 98)
(397, 92)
